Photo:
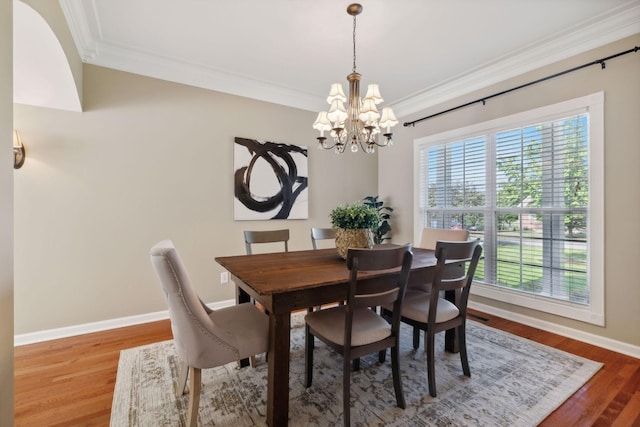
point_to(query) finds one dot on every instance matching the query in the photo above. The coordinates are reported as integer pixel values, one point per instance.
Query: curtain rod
(485, 98)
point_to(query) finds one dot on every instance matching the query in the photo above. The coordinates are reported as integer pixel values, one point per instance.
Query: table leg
(278, 376)
(242, 297)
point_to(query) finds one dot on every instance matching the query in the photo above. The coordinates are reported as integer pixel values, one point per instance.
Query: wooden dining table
(284, 282)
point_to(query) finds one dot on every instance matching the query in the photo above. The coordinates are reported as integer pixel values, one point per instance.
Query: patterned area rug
(514, 382)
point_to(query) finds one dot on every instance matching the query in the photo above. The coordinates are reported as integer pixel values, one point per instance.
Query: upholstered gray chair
(204, 338)
(432, 313)
(354, 329)
(322, 234)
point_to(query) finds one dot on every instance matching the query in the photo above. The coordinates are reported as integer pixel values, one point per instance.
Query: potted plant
(383, 226)
(355, 224)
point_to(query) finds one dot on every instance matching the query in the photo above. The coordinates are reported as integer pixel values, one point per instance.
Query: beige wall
(6, 213)
(620, 82)
(147, 160)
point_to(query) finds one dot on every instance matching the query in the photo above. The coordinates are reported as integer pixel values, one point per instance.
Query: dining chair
(432, 313)
(430, 236)
(318, 234)
(354, 329)
(204, 338)
(322, 234)
(428, 240)
(268, 236)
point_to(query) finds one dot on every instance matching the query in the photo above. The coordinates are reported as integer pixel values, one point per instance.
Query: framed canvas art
(270, 180)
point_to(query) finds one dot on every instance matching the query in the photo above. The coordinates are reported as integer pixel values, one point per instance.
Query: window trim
(594, 103)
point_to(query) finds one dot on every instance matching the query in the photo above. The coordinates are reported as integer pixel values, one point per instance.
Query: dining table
(285, 282)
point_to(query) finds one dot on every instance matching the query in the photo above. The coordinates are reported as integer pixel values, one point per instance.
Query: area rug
(514, 382)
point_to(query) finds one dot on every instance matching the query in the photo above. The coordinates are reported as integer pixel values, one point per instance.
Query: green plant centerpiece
(355, 224)
(383, 228)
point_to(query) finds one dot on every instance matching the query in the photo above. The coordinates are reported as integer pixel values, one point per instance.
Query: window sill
(583, 313)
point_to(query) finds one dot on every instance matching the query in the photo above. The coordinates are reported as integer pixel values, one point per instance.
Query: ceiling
(288, 52)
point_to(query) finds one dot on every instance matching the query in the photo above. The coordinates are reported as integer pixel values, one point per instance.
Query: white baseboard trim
(52, 334)
(87, 328)
(589, 338)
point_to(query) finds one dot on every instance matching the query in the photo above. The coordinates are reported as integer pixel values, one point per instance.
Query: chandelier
(359, 124)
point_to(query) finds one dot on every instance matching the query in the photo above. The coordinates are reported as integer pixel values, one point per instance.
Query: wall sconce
(18, 151)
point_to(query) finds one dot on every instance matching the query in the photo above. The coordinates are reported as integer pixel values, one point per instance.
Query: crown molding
(93, 49)
(614, 25)
(152, 65)
(84, 27)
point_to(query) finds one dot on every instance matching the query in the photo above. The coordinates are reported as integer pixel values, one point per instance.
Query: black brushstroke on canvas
(291, 184)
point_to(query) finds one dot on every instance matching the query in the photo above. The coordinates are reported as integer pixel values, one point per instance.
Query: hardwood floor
(69, 382)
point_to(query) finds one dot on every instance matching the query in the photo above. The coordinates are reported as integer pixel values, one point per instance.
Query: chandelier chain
(354, 43)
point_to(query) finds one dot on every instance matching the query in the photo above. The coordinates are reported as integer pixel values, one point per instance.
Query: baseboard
(52, 334)
(597, 340)
(87, 328)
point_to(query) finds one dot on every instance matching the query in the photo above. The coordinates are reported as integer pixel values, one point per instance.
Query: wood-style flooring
(70, 381)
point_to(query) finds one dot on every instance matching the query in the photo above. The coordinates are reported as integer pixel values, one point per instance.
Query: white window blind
(523, 186)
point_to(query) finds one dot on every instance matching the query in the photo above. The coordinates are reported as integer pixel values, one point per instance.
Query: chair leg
(346, 390)
(356, 364)
(416, 338)
(308, 356)
(397, 379)
(183, 373)
(431, 369)
(194, 396)
(252, 361)
(382, 356)
(462, 343)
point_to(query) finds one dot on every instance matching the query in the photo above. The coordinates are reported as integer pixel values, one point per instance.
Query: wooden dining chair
(318, 234)
(432, 313)
(428, 240)
(430, 236)
(204, 338)
(268, 236)
(322, 234)
(354, 330)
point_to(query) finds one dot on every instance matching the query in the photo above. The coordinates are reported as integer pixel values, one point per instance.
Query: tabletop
(274, 273)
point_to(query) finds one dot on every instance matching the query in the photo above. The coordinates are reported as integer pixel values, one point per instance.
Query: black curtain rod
(485, 98)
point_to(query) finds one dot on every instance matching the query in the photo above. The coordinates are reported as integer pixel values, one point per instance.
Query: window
(530, 187)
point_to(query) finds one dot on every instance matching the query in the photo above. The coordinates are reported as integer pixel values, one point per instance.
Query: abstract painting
(270, 180)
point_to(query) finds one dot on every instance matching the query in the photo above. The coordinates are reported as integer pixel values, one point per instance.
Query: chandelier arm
(326, 146)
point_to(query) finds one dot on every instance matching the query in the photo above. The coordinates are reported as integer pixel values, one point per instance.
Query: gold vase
(361, 238)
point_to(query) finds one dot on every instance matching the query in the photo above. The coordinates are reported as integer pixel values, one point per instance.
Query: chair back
(378, 290)
(454, 252)
(269, 236)
(430, 236)
(322, 234)
(192, 327)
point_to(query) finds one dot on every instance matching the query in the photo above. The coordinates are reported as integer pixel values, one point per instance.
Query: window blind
(524, 191)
